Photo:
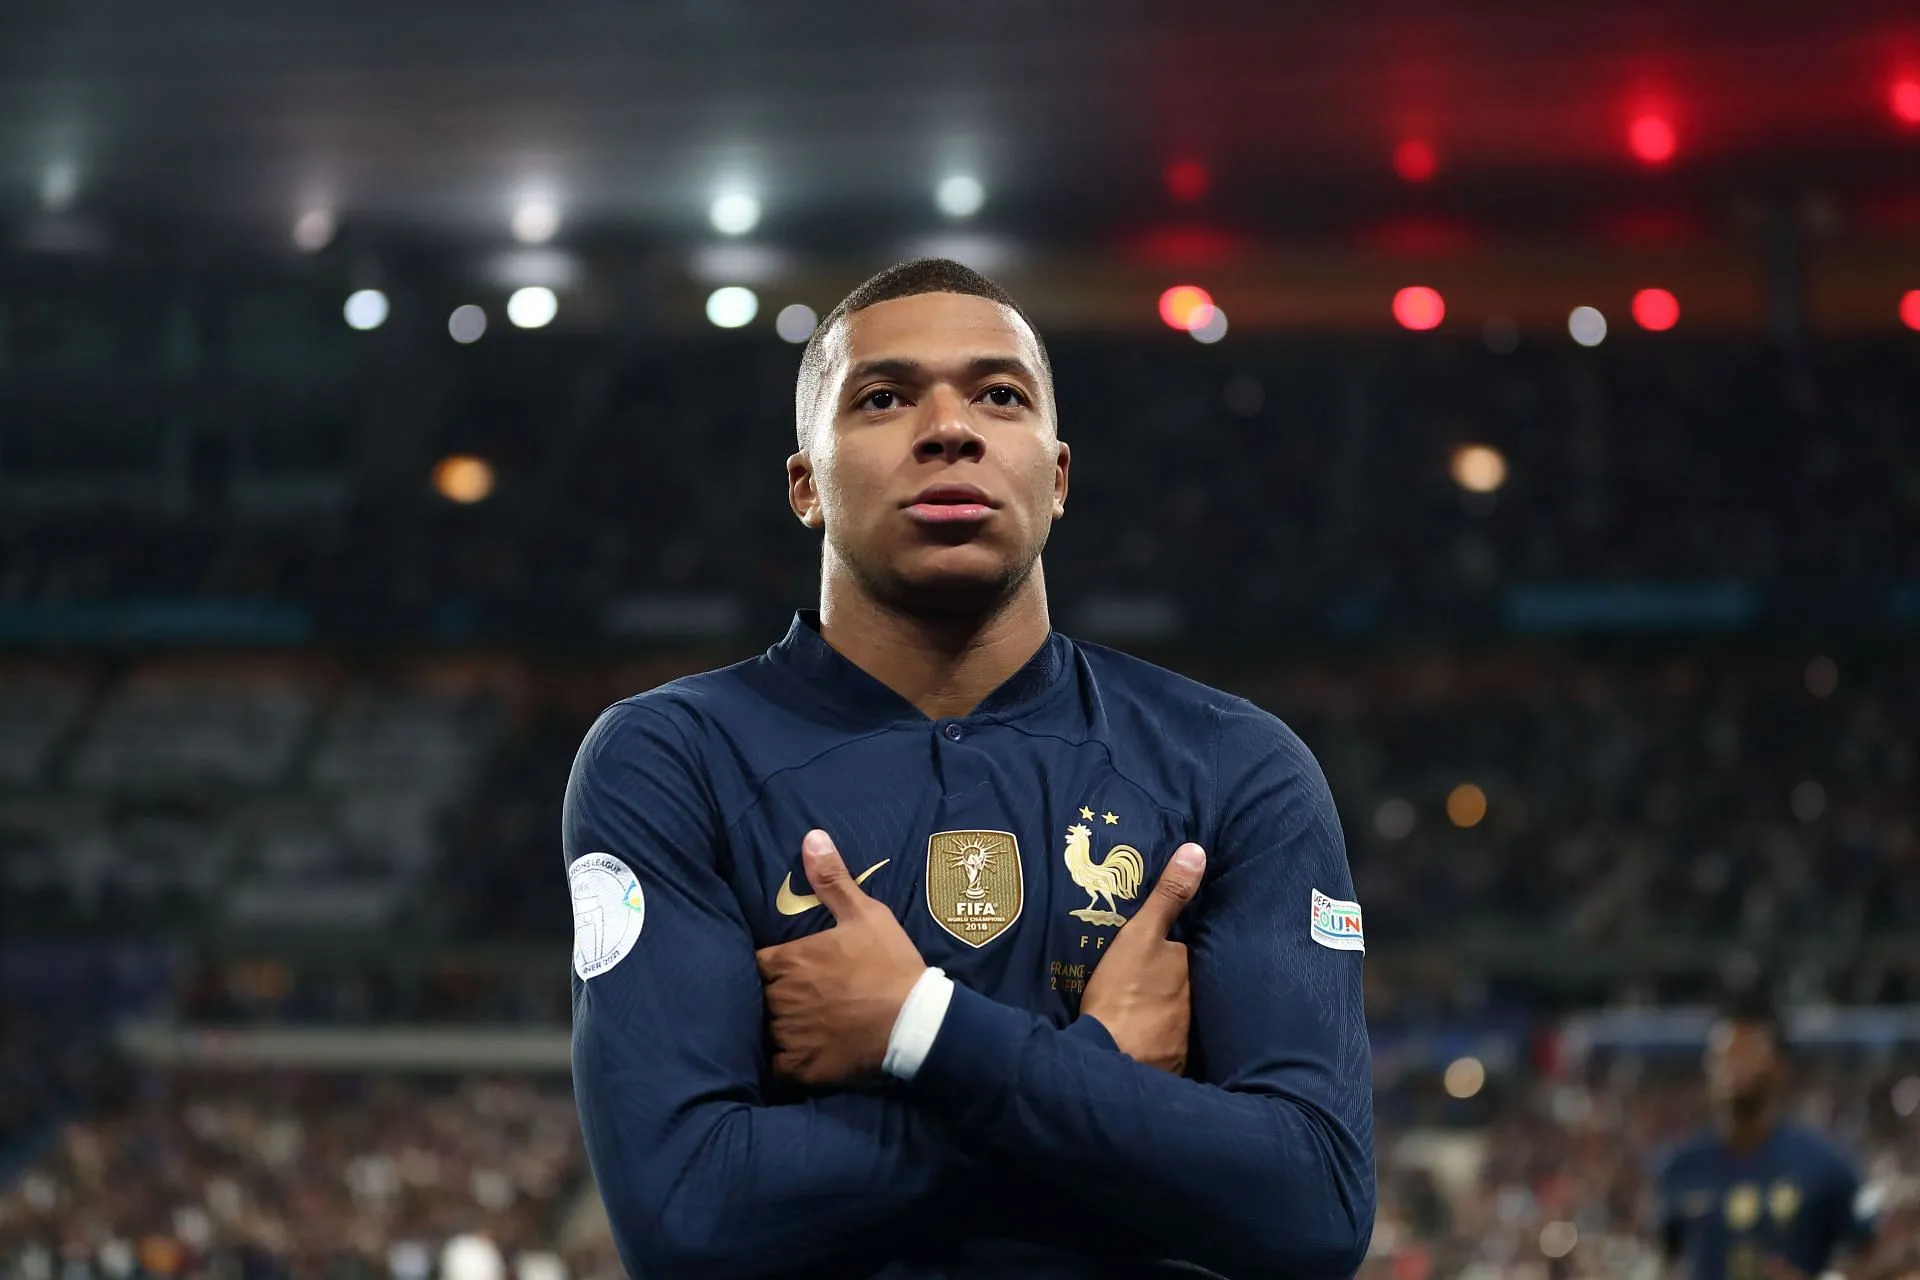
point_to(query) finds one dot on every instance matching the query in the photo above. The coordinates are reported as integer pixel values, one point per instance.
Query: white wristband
(918, 1022)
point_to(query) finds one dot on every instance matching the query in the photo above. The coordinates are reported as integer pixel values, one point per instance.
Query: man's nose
(948, 430)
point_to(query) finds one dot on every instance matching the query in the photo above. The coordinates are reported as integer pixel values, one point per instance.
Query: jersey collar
(821, 667)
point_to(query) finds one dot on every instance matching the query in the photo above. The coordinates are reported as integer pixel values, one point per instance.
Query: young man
(1756, 1197)
(972, 1057)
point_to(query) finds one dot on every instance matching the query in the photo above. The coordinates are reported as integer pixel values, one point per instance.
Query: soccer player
(873, 967)
(1756, 1197)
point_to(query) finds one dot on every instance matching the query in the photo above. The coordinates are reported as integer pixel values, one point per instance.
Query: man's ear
(802, 496)
(1060, 468)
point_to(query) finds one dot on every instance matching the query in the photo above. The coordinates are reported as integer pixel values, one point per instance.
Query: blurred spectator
(1603, 798)
(265, 1175)
(484, 1179)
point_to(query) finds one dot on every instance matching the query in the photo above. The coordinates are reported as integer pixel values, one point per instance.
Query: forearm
(700, 1174)
(1243, 1183)
(739, 1190)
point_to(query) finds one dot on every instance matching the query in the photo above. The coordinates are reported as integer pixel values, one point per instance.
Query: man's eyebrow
(907, 370)
(981, 366)
(892, 367)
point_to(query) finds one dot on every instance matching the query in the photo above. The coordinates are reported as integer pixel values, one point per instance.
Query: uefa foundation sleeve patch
(1336, 924)
(608, 910)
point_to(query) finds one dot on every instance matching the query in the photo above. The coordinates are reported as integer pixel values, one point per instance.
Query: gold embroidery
(1117, 875)
(975, 887)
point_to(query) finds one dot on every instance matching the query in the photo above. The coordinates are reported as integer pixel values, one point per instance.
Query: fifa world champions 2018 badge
(608, 910)
(975, 889)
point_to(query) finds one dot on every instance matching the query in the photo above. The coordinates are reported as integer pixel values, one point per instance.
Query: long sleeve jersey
(1011, 843)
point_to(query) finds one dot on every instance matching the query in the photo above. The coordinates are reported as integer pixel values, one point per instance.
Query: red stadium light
(1904, 98)
(1186, 307)
(1910, 309)
(1656, 310)
(1651, 138)
(1415, 160)
(1187, 180)
(1418, 307)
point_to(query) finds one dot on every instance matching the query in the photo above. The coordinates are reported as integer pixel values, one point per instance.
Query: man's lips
(949, 512)
(950, 504)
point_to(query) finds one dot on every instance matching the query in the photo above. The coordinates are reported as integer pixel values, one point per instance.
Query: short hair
(902, 280)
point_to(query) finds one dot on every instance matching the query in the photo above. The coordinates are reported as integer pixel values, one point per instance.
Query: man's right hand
(1139, 989)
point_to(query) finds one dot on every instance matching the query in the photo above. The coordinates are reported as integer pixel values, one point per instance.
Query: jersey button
(954, 732)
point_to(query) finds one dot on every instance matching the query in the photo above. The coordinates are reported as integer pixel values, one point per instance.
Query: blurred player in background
(1756, 1196)
(973, 1057)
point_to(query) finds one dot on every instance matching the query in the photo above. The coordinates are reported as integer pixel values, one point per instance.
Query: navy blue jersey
(1011, 843)
(1795, 1197)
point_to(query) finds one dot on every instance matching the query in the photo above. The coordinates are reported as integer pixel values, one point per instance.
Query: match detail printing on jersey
(608, 910)
(1336, 924)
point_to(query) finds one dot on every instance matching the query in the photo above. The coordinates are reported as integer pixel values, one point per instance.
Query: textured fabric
(921, 1014)
(1011, 843)
(1795, 1197)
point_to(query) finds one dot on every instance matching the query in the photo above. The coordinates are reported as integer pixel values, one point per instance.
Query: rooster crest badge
(1117, 875)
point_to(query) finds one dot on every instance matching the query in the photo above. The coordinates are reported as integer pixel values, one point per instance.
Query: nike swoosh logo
(789, 903)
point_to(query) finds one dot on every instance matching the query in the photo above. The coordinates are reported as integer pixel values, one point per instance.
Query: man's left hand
(833, 997)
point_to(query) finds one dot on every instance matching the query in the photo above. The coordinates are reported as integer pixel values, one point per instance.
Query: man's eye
(880, 400)
(1004, 397)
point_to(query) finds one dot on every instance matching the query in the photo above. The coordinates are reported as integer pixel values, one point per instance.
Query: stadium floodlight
(313, 230)
(1903, 97)
(1419, 307)
(1588, 326)
(734, 214)
(463, 478)
(467, 323)
(1212, 329)
(1478, 468)
(536, 221)
(533, 307)
(1651, 139)
(366, 309)
(796, 322)
(1186, 306)
(960, 195)
(732, 306)
(1656, 310)
(59, 185)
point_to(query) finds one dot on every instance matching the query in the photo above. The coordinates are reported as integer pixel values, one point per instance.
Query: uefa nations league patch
(1336, 924)
(608, 910)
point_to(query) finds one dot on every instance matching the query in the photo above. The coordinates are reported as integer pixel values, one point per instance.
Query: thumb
(1174, 890)
(827, 873)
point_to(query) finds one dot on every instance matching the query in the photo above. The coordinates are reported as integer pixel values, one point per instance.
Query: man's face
(933, 464)
(1742, 1064)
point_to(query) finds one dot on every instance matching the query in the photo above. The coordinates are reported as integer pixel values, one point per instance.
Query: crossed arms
(1262, 1165)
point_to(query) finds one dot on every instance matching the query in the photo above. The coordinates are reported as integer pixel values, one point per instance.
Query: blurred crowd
(1606, 800)
(358, 1177)
(1613, 799)
(1554, 1182)
(1255, 487)
(1741, 794)
(263, 1175)
(1576, 801)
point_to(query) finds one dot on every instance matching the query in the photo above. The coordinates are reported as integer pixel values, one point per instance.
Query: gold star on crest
(1111, 819)
(1086, 813)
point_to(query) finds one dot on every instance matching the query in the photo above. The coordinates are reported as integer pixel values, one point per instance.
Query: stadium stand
(1647, 710)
